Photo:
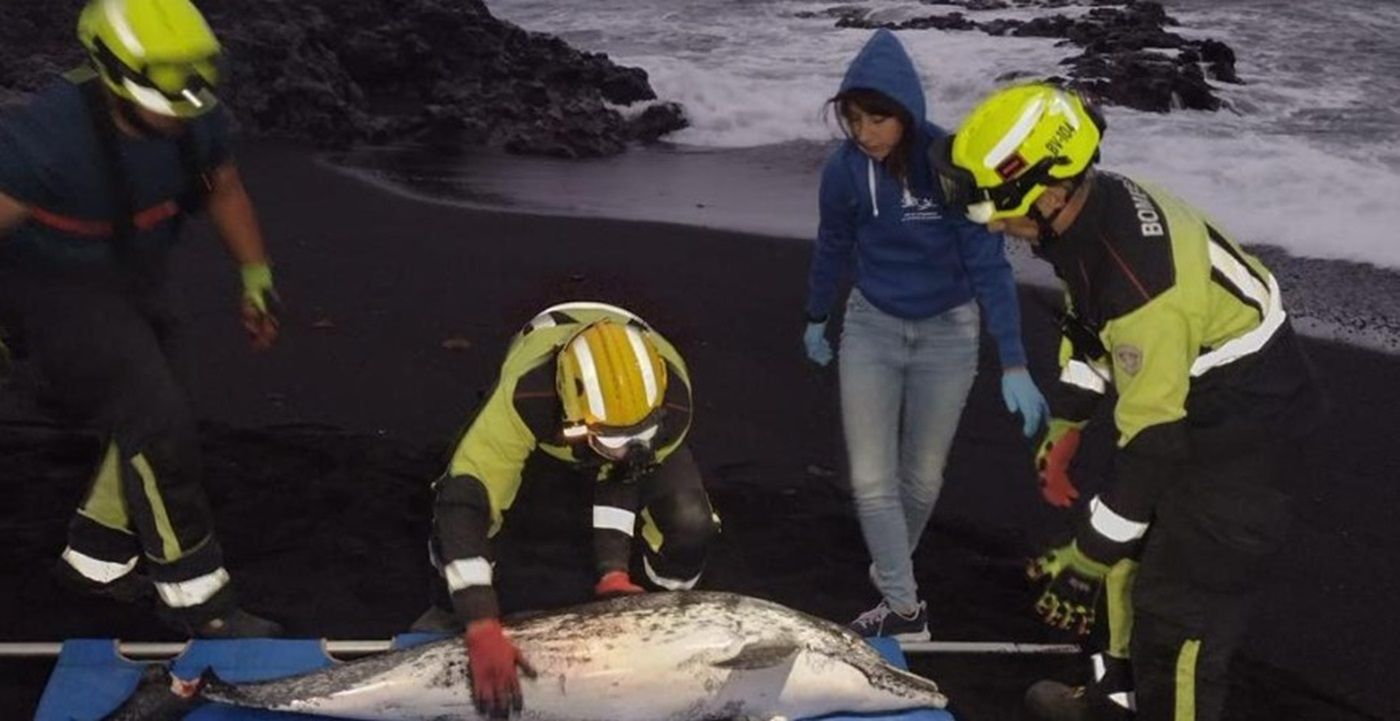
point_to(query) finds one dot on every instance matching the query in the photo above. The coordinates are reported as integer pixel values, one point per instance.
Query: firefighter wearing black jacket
(1212, 388)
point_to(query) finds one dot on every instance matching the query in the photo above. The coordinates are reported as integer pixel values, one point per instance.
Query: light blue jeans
(903, 387)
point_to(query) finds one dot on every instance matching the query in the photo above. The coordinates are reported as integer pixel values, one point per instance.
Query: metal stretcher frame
(351, 648)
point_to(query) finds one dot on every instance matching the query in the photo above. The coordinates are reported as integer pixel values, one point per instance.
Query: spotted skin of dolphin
(684, 656)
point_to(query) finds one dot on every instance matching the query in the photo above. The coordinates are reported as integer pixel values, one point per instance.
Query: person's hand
(260, 305)
(1073, 582)
(1052, 461)
(492, 661)
(818, 349)
(616, 583)
(1021, 396)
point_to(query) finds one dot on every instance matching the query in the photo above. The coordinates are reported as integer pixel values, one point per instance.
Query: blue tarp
(91, 679)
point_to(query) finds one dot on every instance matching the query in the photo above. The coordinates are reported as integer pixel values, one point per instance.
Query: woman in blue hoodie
(909, 342)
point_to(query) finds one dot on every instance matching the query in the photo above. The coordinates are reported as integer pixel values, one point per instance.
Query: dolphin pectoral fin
(763, 653)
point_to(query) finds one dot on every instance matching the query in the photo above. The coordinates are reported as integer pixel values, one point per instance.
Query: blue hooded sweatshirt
(913, 258)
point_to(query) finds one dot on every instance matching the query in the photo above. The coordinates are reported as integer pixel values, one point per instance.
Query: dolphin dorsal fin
(763, 653)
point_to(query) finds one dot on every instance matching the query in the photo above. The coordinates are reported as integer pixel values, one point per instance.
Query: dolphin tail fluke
(159, 696)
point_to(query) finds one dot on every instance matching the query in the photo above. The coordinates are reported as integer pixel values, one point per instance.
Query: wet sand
(319, 454)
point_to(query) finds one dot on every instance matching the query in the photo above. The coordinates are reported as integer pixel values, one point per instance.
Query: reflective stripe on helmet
(149, 98)
(588, 375)
(115, 12)
(1017, 135)
(639, 349)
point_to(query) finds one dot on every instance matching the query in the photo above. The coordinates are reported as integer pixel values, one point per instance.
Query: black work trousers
(673, 524)
(107, 348)
(1202, 562)
(676, 523)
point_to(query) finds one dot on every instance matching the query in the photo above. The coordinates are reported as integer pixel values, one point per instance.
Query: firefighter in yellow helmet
(592, 390)
(1213, 393)
(98, 172)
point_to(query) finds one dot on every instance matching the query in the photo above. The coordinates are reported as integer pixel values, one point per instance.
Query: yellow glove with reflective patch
(1073, 583)
(260, 306)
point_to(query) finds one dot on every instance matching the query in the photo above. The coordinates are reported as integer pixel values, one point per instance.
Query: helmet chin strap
(1046, 226)
(133, 119)
(1045, 223)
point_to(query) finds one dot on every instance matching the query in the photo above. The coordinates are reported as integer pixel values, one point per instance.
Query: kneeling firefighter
(594, 389)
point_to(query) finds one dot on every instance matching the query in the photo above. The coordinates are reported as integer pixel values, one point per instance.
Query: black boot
(237, 623)
(1108, 698)
(1055, 701)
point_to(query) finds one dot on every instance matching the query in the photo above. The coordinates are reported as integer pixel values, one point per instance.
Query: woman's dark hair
(874, 102)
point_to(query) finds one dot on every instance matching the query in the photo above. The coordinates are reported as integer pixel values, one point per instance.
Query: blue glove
(818, 349)
(1021, 396)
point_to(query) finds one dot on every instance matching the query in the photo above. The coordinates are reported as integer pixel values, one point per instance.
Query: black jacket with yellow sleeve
(1187, 329)
(522, 418)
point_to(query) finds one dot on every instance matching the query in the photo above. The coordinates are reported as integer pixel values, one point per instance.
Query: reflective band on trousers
(1082, 375)
(1252, 341)
(466, 573)
(96, 569)
(1112, 526)
(194, 591)
(614, 519)
(670, 584)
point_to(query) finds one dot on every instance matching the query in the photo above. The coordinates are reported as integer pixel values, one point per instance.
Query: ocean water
(1306, 158)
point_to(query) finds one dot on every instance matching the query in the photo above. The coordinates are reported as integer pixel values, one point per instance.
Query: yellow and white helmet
(159, 54)
(612, 383)
(1012, 145)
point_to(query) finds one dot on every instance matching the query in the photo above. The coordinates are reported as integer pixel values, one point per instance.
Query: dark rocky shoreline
(339, 72)
(1129, 58)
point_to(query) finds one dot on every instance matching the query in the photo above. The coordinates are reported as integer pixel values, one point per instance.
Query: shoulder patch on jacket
(1128, 358)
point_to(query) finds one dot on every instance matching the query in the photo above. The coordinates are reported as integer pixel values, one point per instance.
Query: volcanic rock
(340, 72)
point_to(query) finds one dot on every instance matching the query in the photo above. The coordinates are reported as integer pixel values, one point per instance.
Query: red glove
(492, 660)
(616, 583)
(1052, 462)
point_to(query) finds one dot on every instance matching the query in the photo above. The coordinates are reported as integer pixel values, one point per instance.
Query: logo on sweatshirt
(917, 209)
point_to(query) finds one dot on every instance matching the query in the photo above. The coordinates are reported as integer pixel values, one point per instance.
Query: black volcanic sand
(319, 455)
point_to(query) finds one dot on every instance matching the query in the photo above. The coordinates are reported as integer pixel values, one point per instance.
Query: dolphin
(680, 656)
